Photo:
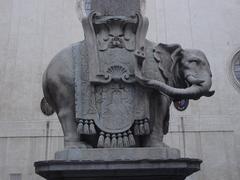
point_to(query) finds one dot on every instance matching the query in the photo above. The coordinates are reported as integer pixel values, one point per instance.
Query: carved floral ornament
(115, 32)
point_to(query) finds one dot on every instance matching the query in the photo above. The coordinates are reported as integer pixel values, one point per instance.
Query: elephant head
(191, 75)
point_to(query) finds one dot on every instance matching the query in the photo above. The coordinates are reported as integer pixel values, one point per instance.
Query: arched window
(235, 69)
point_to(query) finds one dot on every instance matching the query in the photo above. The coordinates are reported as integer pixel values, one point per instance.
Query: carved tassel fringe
(141, 128)
(131, 139)
(119, 141)
(107, 141)
(80, 128)
(114, 141)
(136, 128)
(92, 129)
(146, 127)
(101, 140)
(125, 140)
(86, 128)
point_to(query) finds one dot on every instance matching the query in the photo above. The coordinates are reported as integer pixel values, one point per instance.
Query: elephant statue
(123, 102)
(190, 71)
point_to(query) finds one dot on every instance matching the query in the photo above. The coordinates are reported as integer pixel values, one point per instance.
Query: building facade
(33, 31)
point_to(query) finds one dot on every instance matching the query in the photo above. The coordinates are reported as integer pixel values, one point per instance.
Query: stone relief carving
(115, 87)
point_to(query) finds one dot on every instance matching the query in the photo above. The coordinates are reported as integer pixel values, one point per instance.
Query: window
(235, 69)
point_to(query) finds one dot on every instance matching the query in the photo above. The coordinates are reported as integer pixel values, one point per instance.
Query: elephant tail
(46, 108)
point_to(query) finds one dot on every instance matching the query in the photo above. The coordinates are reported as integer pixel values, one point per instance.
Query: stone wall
(33, 31)
(211, 126)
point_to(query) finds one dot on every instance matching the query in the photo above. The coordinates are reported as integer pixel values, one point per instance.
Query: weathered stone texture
(121, 8)
(32, 31)
(121, 169)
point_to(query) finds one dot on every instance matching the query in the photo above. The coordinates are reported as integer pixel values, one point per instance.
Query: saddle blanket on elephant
(113, 110)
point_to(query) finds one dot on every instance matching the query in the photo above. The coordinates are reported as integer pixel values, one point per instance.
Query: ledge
(170, 169)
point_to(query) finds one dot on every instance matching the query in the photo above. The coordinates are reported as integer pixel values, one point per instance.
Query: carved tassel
(119, 141)
(114, 141)
(92, 129)
(141, 128)
(107, 141)
(146, 127)
(125, 140)
(101, 140)
(80, 128)
(86, 127)
(136, 128)
(131, 139)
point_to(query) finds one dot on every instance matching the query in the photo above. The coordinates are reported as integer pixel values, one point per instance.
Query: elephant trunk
(195, 91)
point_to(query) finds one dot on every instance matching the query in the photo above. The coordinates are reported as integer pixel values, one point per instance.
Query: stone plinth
(139, 164)
(115, 154)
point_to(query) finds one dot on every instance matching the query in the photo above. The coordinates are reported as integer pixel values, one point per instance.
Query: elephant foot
(152, 141)
(155, 144)
(76, 144)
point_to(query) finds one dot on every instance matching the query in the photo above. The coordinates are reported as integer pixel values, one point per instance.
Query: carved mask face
(115, 32)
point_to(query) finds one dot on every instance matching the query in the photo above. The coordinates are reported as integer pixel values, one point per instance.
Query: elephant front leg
(159, 113)
(155, 139)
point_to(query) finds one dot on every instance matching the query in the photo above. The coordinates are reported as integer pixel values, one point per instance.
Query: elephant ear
(176, 56)
(167, 56)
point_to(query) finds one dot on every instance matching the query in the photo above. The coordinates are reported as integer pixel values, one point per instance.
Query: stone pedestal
(121, 164)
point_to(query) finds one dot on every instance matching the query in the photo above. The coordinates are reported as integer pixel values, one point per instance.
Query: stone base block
(177, 169)
(117, 164)
(115, 154)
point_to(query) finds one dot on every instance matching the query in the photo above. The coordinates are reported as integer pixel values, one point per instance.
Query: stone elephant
(170, 73)
(187, 73)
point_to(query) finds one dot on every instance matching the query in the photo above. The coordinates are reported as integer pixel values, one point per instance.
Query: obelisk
(116, 8)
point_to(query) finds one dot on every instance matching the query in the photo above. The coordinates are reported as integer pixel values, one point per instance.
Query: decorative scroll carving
(113, 32)
(117, 72)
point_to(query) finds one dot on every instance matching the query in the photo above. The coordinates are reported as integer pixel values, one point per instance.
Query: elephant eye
(195, 61)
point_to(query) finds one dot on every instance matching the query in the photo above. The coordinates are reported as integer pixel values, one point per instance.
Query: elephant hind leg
(65, 108)
(69, 126)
